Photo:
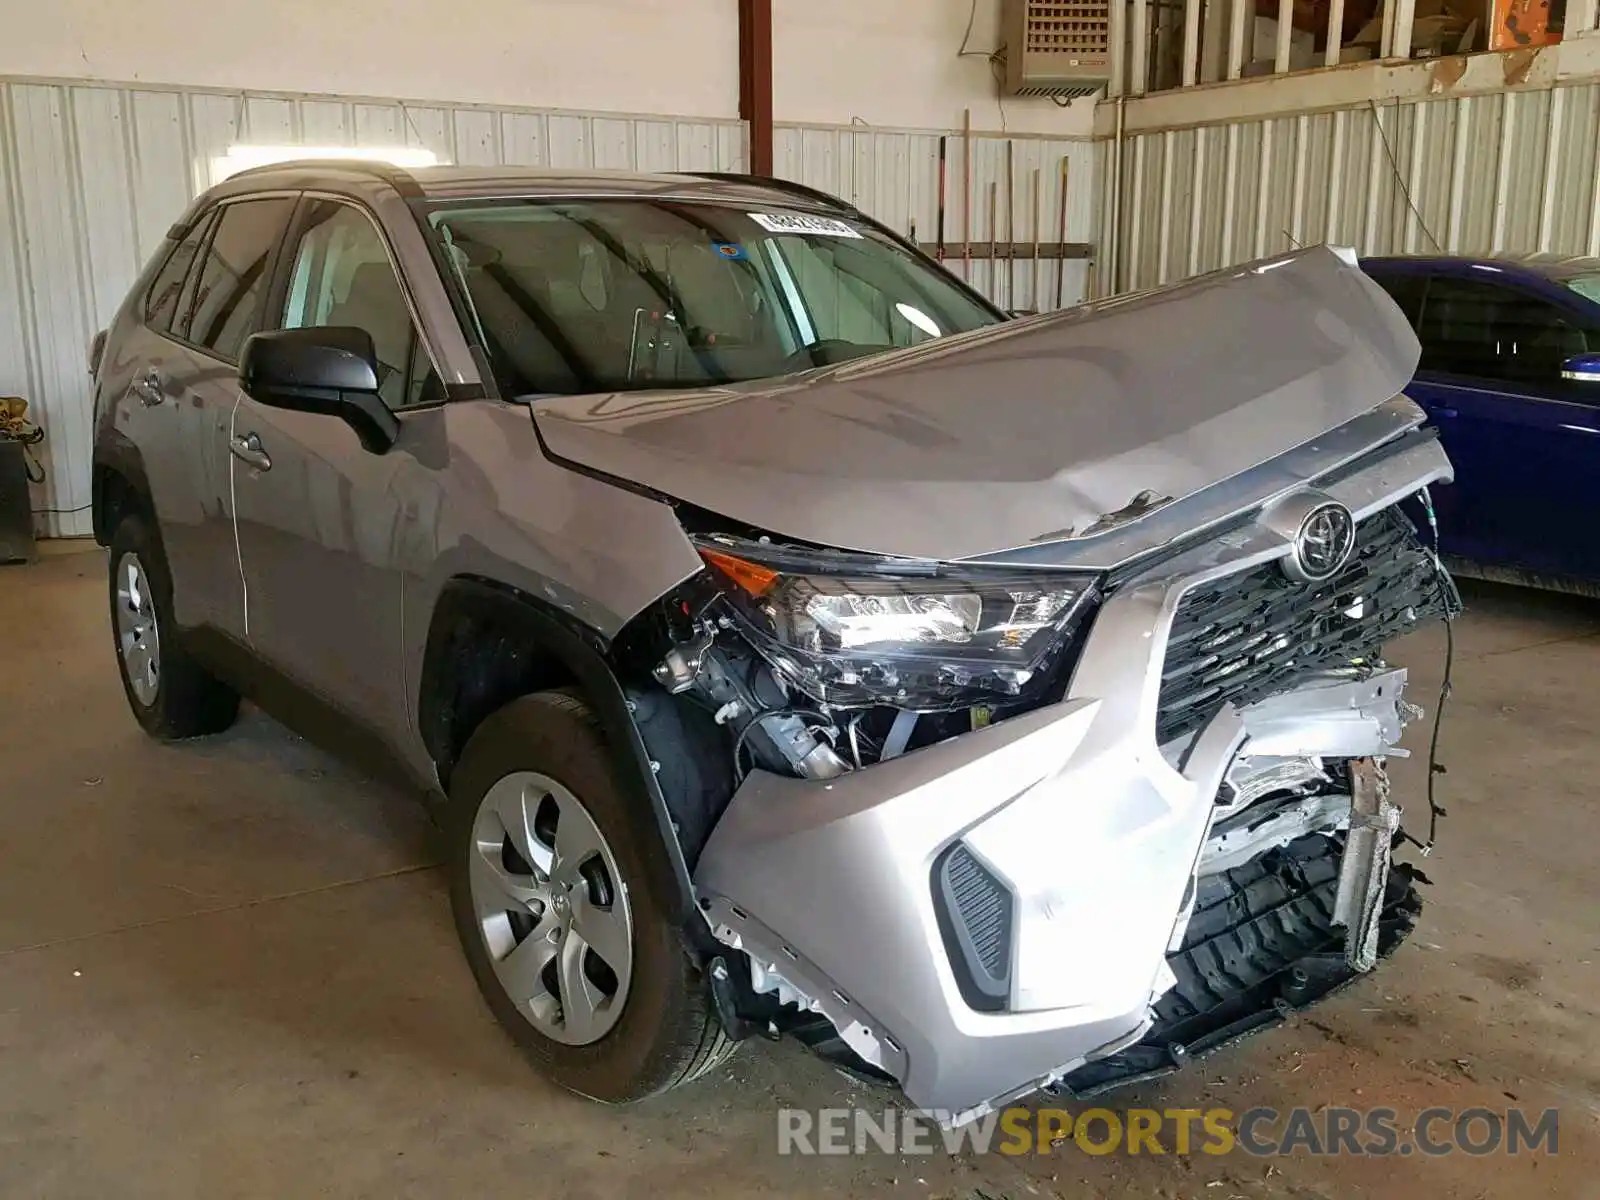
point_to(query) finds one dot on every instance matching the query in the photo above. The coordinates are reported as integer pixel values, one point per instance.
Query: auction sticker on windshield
(804, 223)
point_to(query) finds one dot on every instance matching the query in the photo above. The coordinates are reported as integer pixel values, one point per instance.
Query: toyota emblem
(1323, 543)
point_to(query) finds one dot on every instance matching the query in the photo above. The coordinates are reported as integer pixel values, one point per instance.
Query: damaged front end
(1024, 805)
(1146, 812)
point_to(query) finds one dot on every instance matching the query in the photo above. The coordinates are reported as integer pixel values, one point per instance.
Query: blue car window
(1404, 290)
(1485, 331)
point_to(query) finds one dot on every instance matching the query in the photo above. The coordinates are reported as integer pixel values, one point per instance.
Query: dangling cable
(1452, 609)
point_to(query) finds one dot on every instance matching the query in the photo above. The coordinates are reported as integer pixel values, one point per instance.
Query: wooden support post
(755, 80)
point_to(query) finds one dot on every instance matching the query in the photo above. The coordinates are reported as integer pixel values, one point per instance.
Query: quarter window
(233, 283)
(342, 276)
(161, 303)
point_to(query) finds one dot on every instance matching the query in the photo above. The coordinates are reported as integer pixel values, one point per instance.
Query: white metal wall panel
(893, 175)
(1507, 171)
(92, 175)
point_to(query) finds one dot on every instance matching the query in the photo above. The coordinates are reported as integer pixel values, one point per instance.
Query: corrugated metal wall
(1512, 171)
(91, 176)
(894, 175)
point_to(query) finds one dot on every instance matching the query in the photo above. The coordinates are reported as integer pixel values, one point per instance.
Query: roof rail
(396, 176)
(779, 185)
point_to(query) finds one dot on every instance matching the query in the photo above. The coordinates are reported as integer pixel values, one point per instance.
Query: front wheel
(570, 949)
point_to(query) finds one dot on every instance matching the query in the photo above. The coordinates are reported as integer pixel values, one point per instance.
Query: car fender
(580, 655)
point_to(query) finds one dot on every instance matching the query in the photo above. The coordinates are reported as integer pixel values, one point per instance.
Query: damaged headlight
(856, 630)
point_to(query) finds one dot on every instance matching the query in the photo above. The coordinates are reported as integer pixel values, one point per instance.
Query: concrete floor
(227, 969)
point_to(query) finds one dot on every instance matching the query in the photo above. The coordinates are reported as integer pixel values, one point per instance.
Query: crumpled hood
(1036, 430)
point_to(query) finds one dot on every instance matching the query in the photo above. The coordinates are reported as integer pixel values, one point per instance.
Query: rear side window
(232, 284)
(1404, 290)
(161, 303)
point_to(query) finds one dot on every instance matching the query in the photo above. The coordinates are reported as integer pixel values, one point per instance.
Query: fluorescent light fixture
(243, 157)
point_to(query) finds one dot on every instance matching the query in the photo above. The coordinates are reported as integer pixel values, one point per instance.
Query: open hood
(1037, 430)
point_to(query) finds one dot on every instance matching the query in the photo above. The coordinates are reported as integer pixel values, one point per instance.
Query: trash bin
(16, 513)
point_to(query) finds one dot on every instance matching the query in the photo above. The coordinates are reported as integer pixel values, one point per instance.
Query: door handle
(150, 388)
(247, 448)
(1441, 410)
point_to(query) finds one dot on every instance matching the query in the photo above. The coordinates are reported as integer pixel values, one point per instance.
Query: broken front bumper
(980, 917)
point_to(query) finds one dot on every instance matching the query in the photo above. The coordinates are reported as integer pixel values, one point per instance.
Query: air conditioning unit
(1056, 47)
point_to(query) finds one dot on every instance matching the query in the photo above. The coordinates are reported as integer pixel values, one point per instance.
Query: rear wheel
(570, 949)
(171, 695)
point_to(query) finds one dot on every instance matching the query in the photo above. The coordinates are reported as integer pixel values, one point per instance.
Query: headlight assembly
(856, 630)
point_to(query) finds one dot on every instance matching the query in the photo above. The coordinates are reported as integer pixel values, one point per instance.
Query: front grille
(1243, 637)
(974, 910)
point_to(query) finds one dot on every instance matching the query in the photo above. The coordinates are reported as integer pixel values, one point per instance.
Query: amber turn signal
(752, 577)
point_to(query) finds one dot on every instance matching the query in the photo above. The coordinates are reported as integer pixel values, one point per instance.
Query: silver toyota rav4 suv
(789, 641)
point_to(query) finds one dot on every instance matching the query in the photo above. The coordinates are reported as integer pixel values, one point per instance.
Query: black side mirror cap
(331, 370)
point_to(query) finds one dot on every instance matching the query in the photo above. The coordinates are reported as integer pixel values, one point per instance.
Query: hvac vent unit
(1056, 47)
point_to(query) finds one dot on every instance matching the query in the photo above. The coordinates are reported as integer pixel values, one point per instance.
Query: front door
(1525, 443)
(321, 520)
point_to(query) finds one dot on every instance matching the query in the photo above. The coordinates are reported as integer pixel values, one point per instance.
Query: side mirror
(332, 371)
(1581, 368)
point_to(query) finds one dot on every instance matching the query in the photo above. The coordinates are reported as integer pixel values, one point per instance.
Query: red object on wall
(1514, 24)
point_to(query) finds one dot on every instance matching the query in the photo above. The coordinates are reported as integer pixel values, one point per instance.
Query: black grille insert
(1243, 637)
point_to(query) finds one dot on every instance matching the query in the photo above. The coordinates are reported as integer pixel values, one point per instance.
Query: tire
(176, 698)
(542, 754)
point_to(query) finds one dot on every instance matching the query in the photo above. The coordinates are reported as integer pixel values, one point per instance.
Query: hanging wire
(1400, 182)
(1452, 610)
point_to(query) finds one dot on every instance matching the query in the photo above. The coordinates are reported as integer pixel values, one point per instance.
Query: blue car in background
(1510, 374)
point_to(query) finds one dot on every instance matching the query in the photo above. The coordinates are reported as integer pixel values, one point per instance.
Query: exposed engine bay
(818, 666)
(851, 660)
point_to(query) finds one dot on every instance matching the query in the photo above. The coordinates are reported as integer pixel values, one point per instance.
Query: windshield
(611, 295)
(1587, 286)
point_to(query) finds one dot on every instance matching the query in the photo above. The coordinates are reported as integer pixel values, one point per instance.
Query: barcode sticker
(804, 223)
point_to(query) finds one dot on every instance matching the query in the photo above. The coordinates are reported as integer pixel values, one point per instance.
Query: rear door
(1525, 444)
(321, 519)
(153, 368)
(222, 304)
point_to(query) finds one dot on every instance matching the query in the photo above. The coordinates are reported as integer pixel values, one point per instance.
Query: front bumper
(1094, 831)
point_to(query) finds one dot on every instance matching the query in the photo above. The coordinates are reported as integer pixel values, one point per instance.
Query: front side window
(1487, 331)
(611, 295)
(233, 282)
(161, 302)
(342, 276)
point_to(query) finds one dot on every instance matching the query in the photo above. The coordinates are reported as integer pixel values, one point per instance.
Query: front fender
(580, 655)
